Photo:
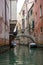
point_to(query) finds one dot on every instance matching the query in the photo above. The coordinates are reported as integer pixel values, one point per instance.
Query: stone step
(40, 45)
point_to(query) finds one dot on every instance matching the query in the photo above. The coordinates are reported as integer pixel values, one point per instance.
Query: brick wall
(38, 20)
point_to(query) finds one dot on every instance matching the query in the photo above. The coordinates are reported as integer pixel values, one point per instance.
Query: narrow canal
(22, 55)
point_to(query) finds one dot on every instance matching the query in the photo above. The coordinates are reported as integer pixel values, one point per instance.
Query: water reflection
(28, 56)
(12, 57)
(22, 55)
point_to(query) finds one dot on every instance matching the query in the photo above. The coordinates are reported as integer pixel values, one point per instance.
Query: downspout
(5, 21)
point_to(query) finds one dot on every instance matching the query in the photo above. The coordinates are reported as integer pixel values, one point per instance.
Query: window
(23, 12)
(33, 25)
(41, 29)
(31, 12)
(28, 13)
(36, 13)
(40, 10)
(29, 27)
(23, 23)
(35, 0)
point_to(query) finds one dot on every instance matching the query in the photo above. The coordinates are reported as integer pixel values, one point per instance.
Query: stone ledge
(4, 42)
(40, 46)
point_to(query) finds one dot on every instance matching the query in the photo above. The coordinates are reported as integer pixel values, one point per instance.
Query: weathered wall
(38, 20)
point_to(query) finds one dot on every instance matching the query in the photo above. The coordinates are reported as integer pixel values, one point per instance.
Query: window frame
(40, 10)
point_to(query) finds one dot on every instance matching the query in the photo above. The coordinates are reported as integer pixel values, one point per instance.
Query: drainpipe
(5, 21)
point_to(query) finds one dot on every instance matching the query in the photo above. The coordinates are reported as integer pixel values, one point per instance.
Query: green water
(22, 55)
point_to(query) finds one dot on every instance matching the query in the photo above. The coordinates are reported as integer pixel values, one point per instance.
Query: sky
(20, 3)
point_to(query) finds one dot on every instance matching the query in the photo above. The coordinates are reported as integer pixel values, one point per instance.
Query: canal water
(22, 55)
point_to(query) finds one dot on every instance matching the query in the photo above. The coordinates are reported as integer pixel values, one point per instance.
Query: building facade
(38, 14)
(23, 14)
(4, 22)
(13, 14)
(31, 20)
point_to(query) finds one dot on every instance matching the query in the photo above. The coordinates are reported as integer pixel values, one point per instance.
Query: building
(13, 14)
(23, 14)
(4, 22)
(31, 20)
(23, 21)
(19, 22)
(13, 19)
(38, 14)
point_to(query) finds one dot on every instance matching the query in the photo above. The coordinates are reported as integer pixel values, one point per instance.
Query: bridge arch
(26, 35)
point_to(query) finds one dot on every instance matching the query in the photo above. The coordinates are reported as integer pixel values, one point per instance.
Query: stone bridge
(32, 38)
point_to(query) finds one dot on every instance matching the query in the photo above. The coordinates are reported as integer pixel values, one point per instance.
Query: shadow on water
(8, 58)
(22, 55)
(12, 57)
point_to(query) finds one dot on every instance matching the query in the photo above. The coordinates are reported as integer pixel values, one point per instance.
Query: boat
(13, 44)
(32, 45)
